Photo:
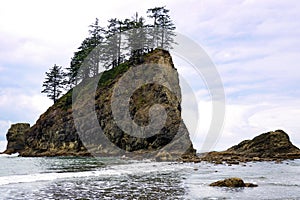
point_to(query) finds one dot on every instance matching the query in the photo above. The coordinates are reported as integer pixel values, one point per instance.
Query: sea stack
(16, 138)
(55, 132)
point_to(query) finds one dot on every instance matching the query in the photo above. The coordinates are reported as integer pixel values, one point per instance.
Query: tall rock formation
(16, 138)
(70, 129)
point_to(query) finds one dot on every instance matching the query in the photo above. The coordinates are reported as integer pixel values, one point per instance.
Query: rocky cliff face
(16, 138)
(270, 146)
(55, 132)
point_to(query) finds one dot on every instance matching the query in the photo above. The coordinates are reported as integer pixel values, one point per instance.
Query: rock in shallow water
(232, 182)
(15, 137)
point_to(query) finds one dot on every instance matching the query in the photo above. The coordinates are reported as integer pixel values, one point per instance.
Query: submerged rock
(270, 146)
(232, 182)
(16, 138)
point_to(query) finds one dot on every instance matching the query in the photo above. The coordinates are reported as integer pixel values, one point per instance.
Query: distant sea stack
(270, 146)
(55, 133)
(16, 138)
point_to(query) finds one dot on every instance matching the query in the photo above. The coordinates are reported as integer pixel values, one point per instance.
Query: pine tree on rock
(76, 73)
(167, 30)
(163, 27)
(114, 42)
(97, 35)
(121, 39)
(53, 85)
(137, 38)
(88, 52)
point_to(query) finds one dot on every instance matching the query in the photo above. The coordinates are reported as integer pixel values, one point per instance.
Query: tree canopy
(109, 46)
(53, 84)
(131, 35)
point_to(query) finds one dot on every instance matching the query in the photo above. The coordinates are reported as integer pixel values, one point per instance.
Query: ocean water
(112, 178)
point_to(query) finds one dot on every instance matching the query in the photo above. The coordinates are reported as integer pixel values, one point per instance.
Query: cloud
(279, 117)
(19, 106)
(245, 121)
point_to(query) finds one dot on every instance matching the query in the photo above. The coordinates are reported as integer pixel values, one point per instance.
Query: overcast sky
(255, 46)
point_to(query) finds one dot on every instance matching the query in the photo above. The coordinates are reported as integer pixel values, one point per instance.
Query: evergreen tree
(96, 36)
(75, 72)
(114, 42)
(53, 85)
(167, 30)
(154, 14)
(163, 27)
(137, 37)
(105, 47)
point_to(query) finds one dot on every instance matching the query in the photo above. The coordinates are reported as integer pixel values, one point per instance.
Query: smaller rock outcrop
(270, 146)
(232, 182)
(16, 138)
(267, 145)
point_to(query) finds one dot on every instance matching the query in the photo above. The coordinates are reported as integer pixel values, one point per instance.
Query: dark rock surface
(270, 146)
(16, 138)
(232, 182)
(55, 132)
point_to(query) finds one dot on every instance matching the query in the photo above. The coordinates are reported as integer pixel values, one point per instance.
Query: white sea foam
(117, 170)
(51, 176)
(9, 155)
